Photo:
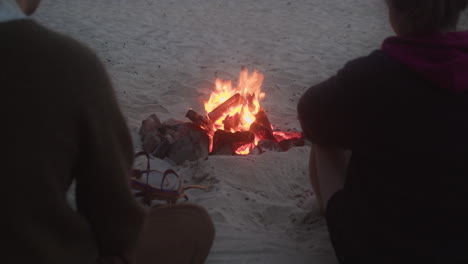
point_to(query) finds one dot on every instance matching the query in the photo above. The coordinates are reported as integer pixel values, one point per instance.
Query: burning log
(262, 127)
(199, 120)
(231, 122)
(223, 108)
(226, 143)
(250, 100)
(262, 119)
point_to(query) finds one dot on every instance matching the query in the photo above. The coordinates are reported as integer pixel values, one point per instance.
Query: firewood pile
(180, 141)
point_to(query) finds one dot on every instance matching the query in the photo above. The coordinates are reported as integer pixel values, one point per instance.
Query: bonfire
(234, 124)
(234, 116)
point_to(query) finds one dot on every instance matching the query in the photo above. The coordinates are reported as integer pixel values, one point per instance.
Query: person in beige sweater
(62, 123)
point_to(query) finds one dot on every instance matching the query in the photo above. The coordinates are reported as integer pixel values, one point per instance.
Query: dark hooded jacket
(403, 111)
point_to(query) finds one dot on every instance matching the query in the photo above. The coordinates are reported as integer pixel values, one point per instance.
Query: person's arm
(103, 194)
(325, 112)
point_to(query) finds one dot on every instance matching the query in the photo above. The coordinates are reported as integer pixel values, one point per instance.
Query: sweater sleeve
(103, 192)
(326, 113)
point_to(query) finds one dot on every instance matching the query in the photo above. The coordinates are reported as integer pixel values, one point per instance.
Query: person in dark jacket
(61, 122)
(389, 162)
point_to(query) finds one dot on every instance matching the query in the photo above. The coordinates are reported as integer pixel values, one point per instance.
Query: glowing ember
(280, 135)
(245, 150)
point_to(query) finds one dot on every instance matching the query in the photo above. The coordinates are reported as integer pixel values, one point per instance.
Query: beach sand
(163, 57)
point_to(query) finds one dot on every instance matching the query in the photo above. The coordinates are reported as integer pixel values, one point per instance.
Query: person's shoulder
(376, 64)
(40, 42)
(57, 62)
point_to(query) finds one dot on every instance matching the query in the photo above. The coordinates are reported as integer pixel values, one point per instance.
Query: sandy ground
(164, 56)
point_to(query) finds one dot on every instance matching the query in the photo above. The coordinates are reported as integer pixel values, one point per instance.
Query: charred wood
(226, 143)
(231, 122)
(199, 120)
(223, 108)
(262, 119)
(285, 145)
(262, 127)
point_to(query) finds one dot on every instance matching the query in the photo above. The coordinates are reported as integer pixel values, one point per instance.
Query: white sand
(164, 56)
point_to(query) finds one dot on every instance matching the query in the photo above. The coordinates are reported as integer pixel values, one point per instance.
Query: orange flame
(249, 87)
